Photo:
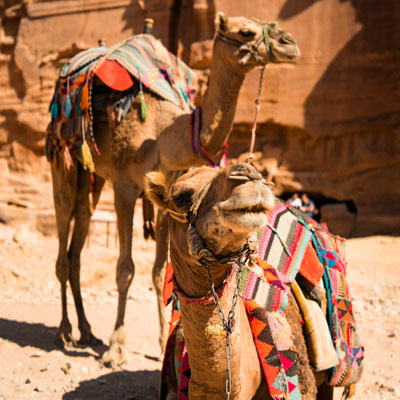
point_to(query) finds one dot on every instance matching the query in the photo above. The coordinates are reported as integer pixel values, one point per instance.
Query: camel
(213, 227)
(136, 147)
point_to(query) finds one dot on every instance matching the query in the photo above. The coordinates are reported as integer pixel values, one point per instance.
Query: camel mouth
(287, 53)
(249, 209)
(244, 217)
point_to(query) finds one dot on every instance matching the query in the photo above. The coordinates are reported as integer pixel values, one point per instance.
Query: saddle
(295, 254)
(119, 73)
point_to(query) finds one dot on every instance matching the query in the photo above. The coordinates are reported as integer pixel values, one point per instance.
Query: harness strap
(208, 298)
(197, 145)
(183, 217)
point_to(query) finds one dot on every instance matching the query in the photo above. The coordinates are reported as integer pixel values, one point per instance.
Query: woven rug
(286, 247)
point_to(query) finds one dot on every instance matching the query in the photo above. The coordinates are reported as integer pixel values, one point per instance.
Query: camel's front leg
(82, 215)
(64, 194)
(159, 266)
(125, 196)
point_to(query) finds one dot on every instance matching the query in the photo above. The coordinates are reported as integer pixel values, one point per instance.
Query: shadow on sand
(42, 337)
(121, 385)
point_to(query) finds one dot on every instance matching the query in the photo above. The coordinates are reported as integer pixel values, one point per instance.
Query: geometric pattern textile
(282, 246)
(341, 320)
(274, 344)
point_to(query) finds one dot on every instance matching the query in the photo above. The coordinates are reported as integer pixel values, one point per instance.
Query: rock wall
(329, 125)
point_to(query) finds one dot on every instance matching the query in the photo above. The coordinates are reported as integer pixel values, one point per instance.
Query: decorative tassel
(68, 163)
(55, 110)
(67, 107)
(143, 106)
(84, 104)
(87, 159)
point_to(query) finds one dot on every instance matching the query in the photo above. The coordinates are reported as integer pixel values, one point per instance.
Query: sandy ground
(32, 367)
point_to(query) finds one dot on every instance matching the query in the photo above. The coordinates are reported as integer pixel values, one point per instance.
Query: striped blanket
(286, 248)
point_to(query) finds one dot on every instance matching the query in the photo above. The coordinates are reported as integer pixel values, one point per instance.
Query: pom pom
(87, 159)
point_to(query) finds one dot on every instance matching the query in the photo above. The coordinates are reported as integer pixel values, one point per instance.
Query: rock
(28, 381)
(66, 369)
(338, 218)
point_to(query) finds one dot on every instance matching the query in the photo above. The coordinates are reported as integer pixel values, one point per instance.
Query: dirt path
(32, 367)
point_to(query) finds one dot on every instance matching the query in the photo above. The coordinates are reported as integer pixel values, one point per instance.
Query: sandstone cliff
(329, 125)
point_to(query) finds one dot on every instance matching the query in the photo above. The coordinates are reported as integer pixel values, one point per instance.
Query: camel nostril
(245, 172)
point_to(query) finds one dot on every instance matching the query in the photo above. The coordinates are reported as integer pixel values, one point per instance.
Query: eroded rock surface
(329, 125)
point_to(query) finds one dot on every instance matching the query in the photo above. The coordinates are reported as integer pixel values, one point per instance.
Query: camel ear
(155, 186)
(221, 22)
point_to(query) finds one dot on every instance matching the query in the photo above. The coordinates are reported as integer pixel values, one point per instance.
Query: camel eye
(246, 33)
(183, 199)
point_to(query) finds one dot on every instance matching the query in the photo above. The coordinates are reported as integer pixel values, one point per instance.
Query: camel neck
(220, 100)
(206, 345)
(193, 279)
(218, 111)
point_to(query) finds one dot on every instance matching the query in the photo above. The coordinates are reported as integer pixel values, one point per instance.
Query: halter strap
(183, 217)
(252, 49)
(197, 145)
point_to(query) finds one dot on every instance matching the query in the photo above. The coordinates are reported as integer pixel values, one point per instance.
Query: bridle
(251, 49)
(207, 258)
(199, 250)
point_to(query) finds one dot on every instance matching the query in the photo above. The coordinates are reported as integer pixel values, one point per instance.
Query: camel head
(252, 42)
(213, 210)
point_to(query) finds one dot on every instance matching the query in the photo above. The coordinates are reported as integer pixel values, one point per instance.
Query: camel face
(235, 205)
(283, 46)
(249, 36)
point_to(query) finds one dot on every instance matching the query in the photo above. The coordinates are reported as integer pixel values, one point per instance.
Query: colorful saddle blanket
(286, 247)
(125, 67)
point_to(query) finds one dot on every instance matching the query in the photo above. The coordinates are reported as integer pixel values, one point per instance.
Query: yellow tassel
(87, 159)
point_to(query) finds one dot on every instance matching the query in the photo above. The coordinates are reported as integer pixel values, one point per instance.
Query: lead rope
(250, 157)
(227, 322)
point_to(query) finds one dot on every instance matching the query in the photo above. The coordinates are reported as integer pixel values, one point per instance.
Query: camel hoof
(65, 340)
(91, 341)
(114, 357)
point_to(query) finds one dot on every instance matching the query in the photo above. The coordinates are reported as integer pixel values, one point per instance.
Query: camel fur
(136, 147)
(234, 207)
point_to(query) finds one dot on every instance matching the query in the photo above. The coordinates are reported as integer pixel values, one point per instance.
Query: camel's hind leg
(159, 266)
(325, 392)
(82, 213)
(64, 193)
(125, 196)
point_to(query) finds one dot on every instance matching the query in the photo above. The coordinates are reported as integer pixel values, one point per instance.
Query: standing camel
(135, 147)
(213, 215)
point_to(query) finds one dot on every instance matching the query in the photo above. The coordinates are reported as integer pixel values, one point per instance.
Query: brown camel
(163, 141)
(235, 206)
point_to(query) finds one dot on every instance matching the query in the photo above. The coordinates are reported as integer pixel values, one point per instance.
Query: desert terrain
(32, 367)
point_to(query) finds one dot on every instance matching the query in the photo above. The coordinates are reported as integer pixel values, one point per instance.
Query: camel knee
(125, 274)
(62, 269)
(158, 275)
